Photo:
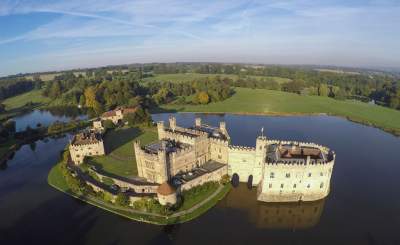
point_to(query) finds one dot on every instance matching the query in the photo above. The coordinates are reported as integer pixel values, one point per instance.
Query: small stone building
(166, 194)
(86, 144)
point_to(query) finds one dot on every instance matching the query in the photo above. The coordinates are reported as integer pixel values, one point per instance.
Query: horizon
(56, 36)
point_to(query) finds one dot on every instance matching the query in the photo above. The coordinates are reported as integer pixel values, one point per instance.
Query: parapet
(241, 148)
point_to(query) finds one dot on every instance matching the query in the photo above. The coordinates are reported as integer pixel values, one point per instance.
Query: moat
(361, 208)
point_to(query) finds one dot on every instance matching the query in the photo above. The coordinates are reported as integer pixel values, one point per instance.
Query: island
(186, 170)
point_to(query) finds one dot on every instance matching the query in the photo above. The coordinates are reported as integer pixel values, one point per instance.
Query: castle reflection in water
(299, 215)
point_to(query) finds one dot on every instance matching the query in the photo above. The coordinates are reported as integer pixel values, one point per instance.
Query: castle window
(321, 185)
(270, 185)
(281, 185)
(271, 175)
(294, 186)
(308, 186)
(309, 174)
(287, 175)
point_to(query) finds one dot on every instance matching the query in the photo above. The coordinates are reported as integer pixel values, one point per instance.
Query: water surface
(362, 208)
(45, 118)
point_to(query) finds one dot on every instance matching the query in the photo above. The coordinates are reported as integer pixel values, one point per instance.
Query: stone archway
(235, 180)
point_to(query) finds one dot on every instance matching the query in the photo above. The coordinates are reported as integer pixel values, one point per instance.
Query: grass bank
(23, 103)
(270, 102)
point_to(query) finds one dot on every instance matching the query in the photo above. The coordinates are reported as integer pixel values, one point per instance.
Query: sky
(44, 35)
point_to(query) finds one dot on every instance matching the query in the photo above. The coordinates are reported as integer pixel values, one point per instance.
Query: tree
(203, 97)
(91, 100)
(394, 102)
(323, 89)
(108, 124)
(82, 101)
(55, 90)
(122, 199)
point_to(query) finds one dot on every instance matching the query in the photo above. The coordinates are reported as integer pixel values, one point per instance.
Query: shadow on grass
(157, 109)
(119, 137)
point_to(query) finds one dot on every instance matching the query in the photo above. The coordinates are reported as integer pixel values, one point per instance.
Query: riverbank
(57, 181)
(247, 101)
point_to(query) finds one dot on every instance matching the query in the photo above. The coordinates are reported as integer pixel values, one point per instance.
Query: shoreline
(146, 217)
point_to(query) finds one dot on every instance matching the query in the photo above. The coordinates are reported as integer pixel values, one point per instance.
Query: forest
(102, 89)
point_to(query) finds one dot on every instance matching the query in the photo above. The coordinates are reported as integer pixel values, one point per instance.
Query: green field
(120, 158)
(188, 77)
(34, 96)
(269, 102)
(17, 104)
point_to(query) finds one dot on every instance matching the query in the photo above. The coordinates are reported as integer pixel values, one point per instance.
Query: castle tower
(260, 158)
(137, 150)
(160, 129)
(172, 123)
(162, 166)
(198, 122)
(222, 128)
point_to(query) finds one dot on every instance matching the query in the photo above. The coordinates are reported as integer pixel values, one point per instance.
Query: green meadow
(188, 77)
(271, 102)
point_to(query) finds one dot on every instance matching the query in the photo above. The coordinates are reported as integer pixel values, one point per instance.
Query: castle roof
(111, 113)
(166, 189)
(85, 138)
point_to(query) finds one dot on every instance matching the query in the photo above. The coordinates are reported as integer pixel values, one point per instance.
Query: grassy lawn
(188, 77)
(34, 96)
(261, 101)
(120, 158)
(56, 179)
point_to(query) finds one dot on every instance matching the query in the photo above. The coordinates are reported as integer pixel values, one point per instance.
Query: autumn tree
(91, 100)
(203, 97)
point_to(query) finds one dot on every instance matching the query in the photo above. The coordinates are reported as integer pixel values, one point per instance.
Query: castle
(283, 171)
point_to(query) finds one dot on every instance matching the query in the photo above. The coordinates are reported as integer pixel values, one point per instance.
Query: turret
(163, 166)
(198, 122)
(222, 128)
(172, 123)
(160, 129)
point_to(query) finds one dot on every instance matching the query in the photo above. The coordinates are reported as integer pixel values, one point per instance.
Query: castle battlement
(241, 148)
(181, 151)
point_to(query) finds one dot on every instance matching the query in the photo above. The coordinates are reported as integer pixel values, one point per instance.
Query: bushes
(122, 199)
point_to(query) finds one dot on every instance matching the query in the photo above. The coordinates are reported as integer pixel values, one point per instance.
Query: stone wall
(79, 152)
(212, 176)
(286, 182)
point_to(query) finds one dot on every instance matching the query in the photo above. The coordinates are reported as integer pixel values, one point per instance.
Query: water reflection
(293, 216)
(38, 118)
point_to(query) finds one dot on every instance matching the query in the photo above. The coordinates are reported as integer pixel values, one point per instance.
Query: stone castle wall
(285, 182)
(79, 152)
(152, 167)
(212, 176)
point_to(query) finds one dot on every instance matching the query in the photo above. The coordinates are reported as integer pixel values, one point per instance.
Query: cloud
(274, 31)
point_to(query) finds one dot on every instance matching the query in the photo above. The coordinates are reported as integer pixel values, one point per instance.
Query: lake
(46, 117)
(362, 208)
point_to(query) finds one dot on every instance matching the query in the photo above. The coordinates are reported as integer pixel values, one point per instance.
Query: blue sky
(42, 35)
